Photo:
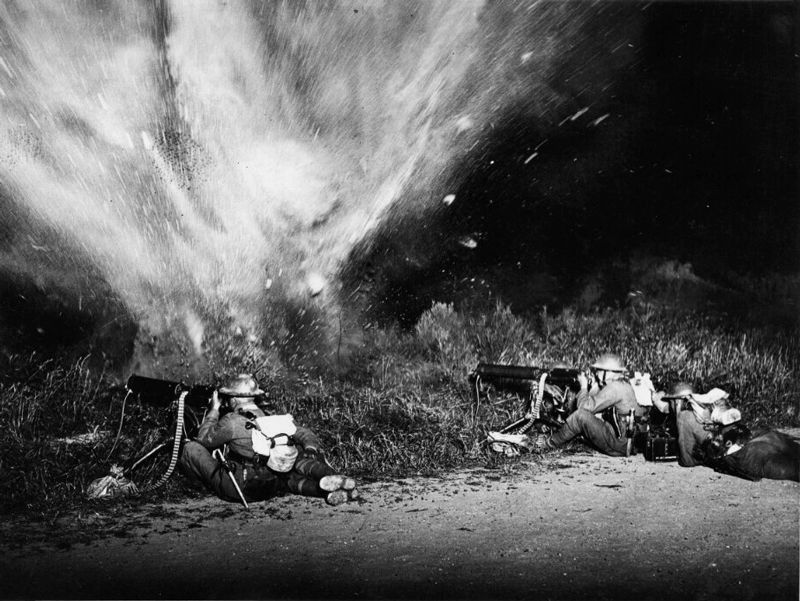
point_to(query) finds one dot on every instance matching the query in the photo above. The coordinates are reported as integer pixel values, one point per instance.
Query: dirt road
(587, 527)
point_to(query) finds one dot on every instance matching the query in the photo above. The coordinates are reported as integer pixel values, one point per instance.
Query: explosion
(209, 168)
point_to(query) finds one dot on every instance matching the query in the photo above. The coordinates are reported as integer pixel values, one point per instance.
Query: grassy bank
(406, 405)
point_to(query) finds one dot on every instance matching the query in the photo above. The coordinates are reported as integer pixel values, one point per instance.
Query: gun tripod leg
(217, 454)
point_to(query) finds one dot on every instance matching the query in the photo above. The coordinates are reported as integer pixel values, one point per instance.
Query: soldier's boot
(337, 497)
(336, 482)
(542, 443)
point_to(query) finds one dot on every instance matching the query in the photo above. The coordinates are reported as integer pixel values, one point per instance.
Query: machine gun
(190, 401)
(162, 393)
(186, 401)
(551, 392)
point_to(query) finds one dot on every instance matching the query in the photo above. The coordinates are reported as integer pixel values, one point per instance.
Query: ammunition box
(661, 448)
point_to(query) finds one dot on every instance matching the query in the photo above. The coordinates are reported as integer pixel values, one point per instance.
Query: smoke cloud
(211, 165)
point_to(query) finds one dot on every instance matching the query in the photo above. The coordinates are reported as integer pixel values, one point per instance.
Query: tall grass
(406, 407)
(40, 403)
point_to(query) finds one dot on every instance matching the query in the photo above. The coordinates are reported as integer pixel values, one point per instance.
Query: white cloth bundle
(272, 438)
(643, 388)
(712, 407)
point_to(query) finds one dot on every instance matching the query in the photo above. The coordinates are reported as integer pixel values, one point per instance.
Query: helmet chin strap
(248, 404)
(600, 381)
(617, 375)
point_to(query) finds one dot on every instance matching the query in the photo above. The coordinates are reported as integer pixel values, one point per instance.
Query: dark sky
(726, 118)
(700, 165)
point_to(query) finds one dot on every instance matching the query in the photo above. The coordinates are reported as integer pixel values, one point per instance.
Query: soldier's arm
(658, 403)
(308, 439)
(604, 398)
(213, 432)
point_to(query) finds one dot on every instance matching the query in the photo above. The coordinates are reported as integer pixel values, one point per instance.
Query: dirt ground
(580, 526)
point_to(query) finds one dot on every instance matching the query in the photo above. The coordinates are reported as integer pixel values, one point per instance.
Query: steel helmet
(243, 385)
(681, 390)
(609, 362)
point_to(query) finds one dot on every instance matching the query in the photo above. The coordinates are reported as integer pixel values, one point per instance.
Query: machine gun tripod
(180, 403)
(550, 393)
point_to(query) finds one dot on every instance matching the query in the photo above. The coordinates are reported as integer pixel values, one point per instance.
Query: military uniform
(691, 433)
(255, 479)
(767, 454)
(617, 396)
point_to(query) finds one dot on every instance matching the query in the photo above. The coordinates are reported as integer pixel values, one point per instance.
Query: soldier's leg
(312, 468)
(597, 431)
(313, 478)
(299, 484)
(602, 436)
(571, 428)
(690, 434)
(768, 455)
(305, 476)
(197, 463)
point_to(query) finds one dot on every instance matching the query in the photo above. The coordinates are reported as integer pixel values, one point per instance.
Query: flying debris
(464, 123)
(147, 140)
(4, 64)
(579, 113)
(468, 242)
(575, 116)
(448, 200)
(599, 120)
(315, 283)
(530, 158)
(195, 330)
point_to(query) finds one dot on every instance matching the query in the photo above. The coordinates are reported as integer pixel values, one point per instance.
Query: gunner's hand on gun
(214, 403)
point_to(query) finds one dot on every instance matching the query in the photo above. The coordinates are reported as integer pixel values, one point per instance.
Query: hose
(119, 429)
